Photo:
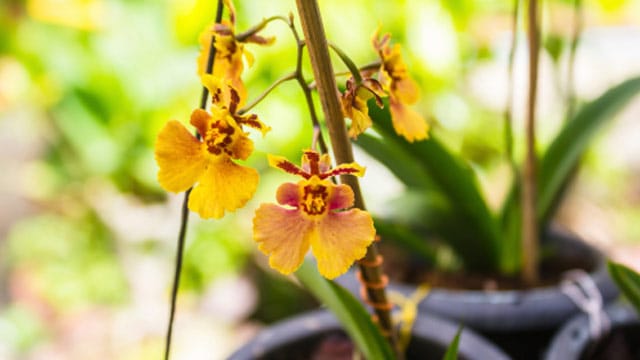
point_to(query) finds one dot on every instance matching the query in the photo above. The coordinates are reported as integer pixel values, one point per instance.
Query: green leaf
(353, 316)
(429, 166)
(397, 160)
(628, 281)
(452, 350)
(408, 239)
(562, 156)
(558, 164)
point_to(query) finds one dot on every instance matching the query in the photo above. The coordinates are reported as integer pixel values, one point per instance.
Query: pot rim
(439, 331)
(572, 338)
(504, 311)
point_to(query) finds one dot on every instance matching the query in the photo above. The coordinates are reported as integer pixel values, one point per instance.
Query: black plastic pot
(521, 322)
(298, 337)
(573, 341)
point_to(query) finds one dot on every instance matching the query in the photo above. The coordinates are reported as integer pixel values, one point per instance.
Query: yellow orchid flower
(316, 219)
(354, 103)
(229, 51)
(184, 160)
(403, 91)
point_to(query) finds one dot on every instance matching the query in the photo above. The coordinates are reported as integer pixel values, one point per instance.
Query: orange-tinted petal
(205, 45)
(288, 194)
(283, 235)
(406, 90)
(200, 119)
(179, 156)
(341, 239)
(341, 197)
(408, 123)
(242, 147)
(224, 186)
(229, 64)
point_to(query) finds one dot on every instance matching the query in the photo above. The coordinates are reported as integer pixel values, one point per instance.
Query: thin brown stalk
(317, 45)
(184, 218)
(529, 183)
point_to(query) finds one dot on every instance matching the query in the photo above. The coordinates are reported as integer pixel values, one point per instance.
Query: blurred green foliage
(90, 84)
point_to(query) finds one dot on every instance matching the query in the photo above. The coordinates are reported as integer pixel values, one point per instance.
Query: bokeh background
(87, 236)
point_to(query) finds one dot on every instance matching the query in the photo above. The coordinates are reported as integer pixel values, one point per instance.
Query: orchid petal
(341, 197)
(341, 239)
(283, 235)
(224, 186)
(288, 194)
(407, 122)
(282, 163)
(344, 169)
(180, 157)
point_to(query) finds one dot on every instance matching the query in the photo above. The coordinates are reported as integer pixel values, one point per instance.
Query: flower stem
(529, 183)
(355, 72)
(316, 41)
(252, 31)
(185, 209)
(264, 94)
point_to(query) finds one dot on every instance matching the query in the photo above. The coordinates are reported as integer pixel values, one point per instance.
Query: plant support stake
(529, 183)
(317, 44)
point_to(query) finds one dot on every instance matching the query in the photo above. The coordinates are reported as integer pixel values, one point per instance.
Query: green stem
(185, 209)
(262, 96)
(316, 41)
(355, 72)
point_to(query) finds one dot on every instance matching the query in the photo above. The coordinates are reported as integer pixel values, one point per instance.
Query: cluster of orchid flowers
(313, 213)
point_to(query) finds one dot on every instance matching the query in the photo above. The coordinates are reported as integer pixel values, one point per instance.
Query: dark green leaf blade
(473, 231)
(562, 156)
(397, 160)
(558, 163)
(628, 281)
(452, 350)
(353, 316)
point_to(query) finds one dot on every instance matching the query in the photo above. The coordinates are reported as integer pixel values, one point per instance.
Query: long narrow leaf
(410, 241)
(452, 350)
(397, 160)
(355, 319)
(473, 231)
(558, 163)
(569, 146)
(628, 281)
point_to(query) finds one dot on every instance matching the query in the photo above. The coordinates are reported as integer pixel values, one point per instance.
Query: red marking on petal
(286, 165)
(312, 158)
(341, 171)
(251, 121)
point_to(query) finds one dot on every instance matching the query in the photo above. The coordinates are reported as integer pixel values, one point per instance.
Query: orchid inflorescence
(314, 213)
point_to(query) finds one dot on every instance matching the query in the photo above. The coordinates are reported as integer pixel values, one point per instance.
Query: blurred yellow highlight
(77, 14)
